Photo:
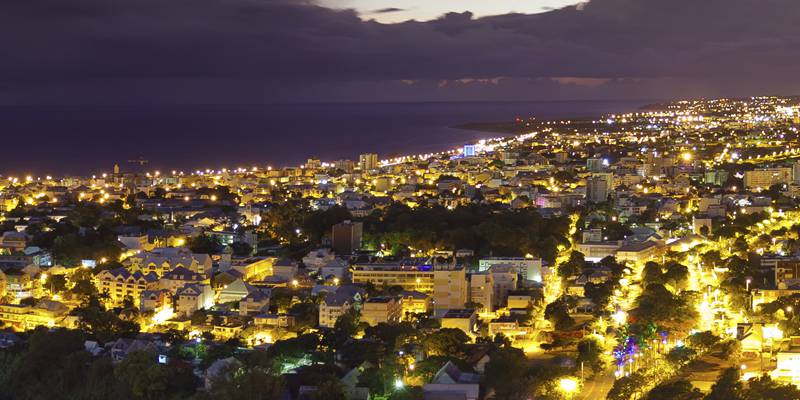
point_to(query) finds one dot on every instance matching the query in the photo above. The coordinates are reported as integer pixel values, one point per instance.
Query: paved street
(598, 387)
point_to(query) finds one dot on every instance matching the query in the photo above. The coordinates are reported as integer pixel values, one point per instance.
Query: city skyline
(400, 200)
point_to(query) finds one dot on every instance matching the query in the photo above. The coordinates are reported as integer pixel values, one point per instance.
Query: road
(598, 387)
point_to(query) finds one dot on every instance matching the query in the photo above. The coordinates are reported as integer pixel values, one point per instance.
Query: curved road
(597, 388)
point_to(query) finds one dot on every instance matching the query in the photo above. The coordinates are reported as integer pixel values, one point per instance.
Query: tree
(143, 375)
(445, 342)
(254, 383)
(681, 355)
(56, 283)
(677, 276)
(703, 341)
(675, 390)
(104, 325)
(347, 323)
(731, 349)
(625, 387)
(573, 266)
(241, 249)
(590, 353)
(506, 374)
(652, 273)
(205, 244)
(599, 293)
(557, 313)
(306, 315)
(657, 305)
(329, 389)
(727, 387)
(764, 388)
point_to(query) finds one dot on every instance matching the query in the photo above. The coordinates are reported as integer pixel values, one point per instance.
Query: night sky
(283, 51)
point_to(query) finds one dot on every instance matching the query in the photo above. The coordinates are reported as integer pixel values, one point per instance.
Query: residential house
(234, 291)
(256, 302)
(193, 297)
(451, 383)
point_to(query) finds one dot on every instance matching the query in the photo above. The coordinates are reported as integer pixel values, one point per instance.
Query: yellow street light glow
(568, 385)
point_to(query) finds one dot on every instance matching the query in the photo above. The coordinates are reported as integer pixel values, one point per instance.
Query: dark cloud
(285, 50)
(388, 10)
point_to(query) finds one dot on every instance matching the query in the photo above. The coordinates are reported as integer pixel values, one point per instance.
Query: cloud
(287, 50)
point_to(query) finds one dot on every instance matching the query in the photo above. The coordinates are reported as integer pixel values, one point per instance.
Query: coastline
(246, 136)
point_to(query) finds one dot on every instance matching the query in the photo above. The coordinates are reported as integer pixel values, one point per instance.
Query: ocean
(61, 140)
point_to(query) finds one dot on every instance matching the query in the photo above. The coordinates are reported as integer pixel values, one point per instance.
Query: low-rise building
(121, 284)
(332, 307)
(464, 319)
(415, 302)
(193, 297)
(256, 302)
(409, 277)
(384, 309)
(44, 313)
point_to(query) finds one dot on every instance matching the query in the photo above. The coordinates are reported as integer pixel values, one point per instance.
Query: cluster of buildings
(645, 184)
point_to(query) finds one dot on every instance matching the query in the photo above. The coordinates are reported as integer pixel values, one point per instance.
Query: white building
(529, 268)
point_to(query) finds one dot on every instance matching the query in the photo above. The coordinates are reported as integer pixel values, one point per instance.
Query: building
(44, 313)
(162, 260)
(408, 276)
(178, 278)
(451, 383)
(598, 187)
(19, 284)
(481, 290)
(507, 326)
(254, 268)
(13, 241)
(596, 164)
(256, 302)
(151, 300)
(120, 283)
(596, 251)
(505, 280)
(285, 268)
(134, 242)
(519, 299)
(529, 267)
(234, 291)
(368, 162)
(787, 272)
(787, 360)
(415, 302)
(464, 319)
(450, 287)
(384, 309)
(765, 177)
(469, 150)
(346, 237)
(316, 259)
(640, 252)
(332, 307)
(193, 297)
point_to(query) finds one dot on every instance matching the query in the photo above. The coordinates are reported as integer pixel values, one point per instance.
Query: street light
(568, 385)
